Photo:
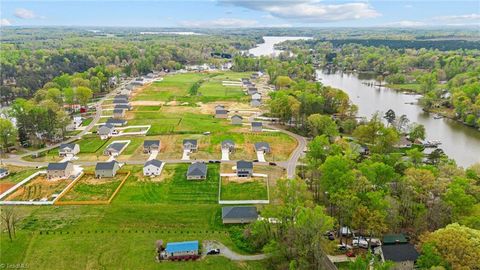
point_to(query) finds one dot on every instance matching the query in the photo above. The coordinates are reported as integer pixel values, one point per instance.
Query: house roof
(219, 107)
(245, 212)
(105, 129)
(262, 146)
(181, 246)
(120, 101)
(221, 111)
(121, 97)
(67, 145)
(257, 124)
(2, 170)
(237, 116)
(118, 110)
(154, 162)
(116, 121)
(242, 164)
(117, 146)
(106, 165)
(190, 141)
(56, 166)
(150, 143)
(228, 143)
(122, 106)
(394, 239)
(197, 169)
(400, 252)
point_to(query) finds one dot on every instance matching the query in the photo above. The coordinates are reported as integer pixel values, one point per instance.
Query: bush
(238, 238)
(396, 79)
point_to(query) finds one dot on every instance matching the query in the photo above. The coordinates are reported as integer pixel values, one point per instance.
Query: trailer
(178, 251)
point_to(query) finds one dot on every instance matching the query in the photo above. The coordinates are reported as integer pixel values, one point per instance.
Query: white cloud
(220, 23)
(467, 19)
(23, 13)
(5, 22)
(408, 6)
(406, 24)
(312, 11)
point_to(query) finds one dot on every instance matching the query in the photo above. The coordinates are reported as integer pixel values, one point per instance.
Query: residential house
(397, 249)
(68, 149)
(152, 167)
(121, 96)
(151, 145)
(403, 143)
(257, 96)
(262, 147)
(252, 90)
(125, 106)
(3, 172)
(116, 122)
(257, 126)
(244, 168)
(219, 107)
(191, 145)
(59, 170)
(106, 131)
(221, 113)
(237, 119)
(255, 103)
(228, 145)
(77, 121)
(197, 171)
(114, 149)
(106, 169)
(120, 101)
(182, 249)
(118, 113)
(239, 214)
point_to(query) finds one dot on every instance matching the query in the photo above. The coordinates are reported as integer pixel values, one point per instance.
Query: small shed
(239, 214)
(181, 249)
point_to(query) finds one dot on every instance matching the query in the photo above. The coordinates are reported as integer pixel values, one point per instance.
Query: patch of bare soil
(5, 186)
(147, 103)
(240, 180)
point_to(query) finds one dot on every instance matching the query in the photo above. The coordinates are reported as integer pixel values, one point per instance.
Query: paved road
(228, 253)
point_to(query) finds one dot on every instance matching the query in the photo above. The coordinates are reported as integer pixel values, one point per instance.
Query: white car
(360, 242)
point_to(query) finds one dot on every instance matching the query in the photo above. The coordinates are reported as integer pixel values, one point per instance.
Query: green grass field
(90, 144)
(88, 188)
(170, 88)
(255, 189)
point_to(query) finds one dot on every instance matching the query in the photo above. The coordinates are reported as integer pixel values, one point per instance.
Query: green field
(122, 235)
(254, 189)
(170, 88)
(90, 144)
(88, 188)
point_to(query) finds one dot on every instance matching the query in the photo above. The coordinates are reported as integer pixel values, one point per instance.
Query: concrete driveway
(225, 154)
(186, 155)
(261, 156)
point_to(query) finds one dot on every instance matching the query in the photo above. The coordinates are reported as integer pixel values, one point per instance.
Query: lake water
(267, 48)
(459, 142)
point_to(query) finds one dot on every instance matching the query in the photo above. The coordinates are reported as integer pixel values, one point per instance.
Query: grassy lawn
(17, 174)
(247, 189)
(146, 108)
(170, 88)
(87, 121)
(90, 144)
(45, 156)
(89, 188)
(123, 234)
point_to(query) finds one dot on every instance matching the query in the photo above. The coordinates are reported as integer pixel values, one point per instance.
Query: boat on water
(437, 116)
(432, 144)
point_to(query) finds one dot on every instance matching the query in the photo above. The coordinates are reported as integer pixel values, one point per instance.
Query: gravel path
(228, 253)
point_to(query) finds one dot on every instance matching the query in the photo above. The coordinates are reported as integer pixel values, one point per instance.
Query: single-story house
(255, 103)
(118, 113)
(403, 255)
(257, 96)
(106, 131)
(403, 143)
(244, 168)
(239, 214)
(188, 248)
(106, 169)
(59, 170)
(190, 144)
(221, 113)
(114, 149)
(237, 119)
(68, 149)
(116, 122)
(152, 167)
(151, 145)
(262, 147)
(3, 172)
(228, 144)
(125, 106)
(197, 171)
(257, 126)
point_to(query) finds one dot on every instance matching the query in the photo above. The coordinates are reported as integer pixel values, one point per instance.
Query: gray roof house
(120, 101)
(244, 168)
(125, 106)
(236, 119)
(120, 96)
(151, 145)
(221, 113)
(252, 90)
(106, 169)
(190, 144)
(262, 146)
(228, 144)
(197, 171)
(239, 214)
(106, 131)
(256, 96)
(257, 126)
(114, 149)
(219, 107)
(403, 255)
(116, 122)
(152, 167)
(118, 113)
(60, 170)
(68, 149)
(3, 172)
(255, 103)
(403, 142)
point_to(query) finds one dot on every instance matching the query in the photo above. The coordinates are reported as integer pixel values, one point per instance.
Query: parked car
(214, 251)
(330, 235)
(344, 246)
(350, 253)
(272, 164)
(360, 242)
(255, 160)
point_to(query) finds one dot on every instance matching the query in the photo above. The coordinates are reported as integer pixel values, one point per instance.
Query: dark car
(272, 164)
(214, 251)
(255, 160)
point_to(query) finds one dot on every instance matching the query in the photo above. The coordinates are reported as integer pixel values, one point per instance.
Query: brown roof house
(60, 170)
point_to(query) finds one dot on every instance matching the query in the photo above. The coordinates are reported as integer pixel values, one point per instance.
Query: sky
(240, 13)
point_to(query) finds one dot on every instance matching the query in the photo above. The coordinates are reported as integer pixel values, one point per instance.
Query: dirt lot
(5, 186)
(37, 189)
(89, 188)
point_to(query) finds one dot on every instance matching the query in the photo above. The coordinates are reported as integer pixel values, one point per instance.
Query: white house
(68, 149)
(152, 167)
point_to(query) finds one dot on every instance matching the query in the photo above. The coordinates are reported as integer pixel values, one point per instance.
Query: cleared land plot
(146, 108)
(90, 144)
(39, 188)
(89, 188)
(234, 188)
(17, 174)
(170, 88)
